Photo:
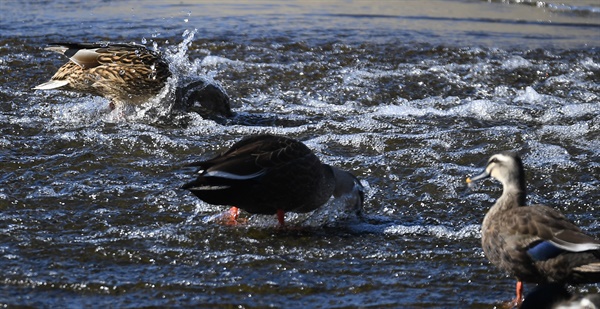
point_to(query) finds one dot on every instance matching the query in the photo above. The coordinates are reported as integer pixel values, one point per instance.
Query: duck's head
(505, 167)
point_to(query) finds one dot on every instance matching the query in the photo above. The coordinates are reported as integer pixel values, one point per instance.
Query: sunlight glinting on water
(410, 99)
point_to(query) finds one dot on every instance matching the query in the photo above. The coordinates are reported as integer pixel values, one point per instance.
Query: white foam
(568, 111)
(589, 63)
(469, 231)
(479, 109)
(545, 155)
(516, 62)
(216, 60)
(529, 95)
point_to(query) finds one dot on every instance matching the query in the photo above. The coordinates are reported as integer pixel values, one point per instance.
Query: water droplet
(144, 41)
(121, 72)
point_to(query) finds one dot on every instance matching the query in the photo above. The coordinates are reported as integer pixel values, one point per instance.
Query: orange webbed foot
(230, 217)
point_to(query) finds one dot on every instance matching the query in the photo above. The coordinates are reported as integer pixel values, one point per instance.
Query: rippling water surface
(411, 97)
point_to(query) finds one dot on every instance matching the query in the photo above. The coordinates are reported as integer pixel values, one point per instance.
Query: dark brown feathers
(265, 173)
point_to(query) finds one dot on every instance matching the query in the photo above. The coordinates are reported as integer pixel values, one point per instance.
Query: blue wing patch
(543, 251)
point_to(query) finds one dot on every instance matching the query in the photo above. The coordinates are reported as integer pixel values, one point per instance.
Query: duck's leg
(234, 212)
(281, 217)
(515, 303)
(228, 217)
(519, 300)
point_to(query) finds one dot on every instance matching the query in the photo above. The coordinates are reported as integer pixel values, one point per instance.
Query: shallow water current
(412, 97)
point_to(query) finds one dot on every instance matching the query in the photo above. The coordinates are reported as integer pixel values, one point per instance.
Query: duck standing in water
(534, 243)
(128, 74)
(268, 174)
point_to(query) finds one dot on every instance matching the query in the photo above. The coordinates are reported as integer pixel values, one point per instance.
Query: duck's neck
(513, 195)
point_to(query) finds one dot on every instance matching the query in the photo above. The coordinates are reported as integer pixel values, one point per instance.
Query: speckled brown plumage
(130, 74)
(535, 243)
(265, 174)
(123, 73)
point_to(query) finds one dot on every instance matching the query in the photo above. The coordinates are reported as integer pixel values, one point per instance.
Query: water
(411, 98)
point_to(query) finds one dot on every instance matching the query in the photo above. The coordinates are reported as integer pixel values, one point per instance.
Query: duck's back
(121, 72)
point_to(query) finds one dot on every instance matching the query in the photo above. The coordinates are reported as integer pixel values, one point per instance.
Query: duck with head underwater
(268, 174)
(534, 243)
(129, 74)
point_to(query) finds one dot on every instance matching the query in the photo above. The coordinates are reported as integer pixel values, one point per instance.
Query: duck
(129, 74)
(269, 174)
(534, 243)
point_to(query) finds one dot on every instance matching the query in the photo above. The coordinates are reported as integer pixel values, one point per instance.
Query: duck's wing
(91, 55)
(252, 157)
(84, 55)
(546, 233)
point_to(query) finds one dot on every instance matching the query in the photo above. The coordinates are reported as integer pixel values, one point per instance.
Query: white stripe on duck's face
(503, 168)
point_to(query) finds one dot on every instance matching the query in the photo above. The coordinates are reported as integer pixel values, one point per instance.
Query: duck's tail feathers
(589, 268)
(53, 84)
(59, 48)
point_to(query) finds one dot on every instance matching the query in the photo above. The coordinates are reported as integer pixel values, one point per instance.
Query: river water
(410, 96)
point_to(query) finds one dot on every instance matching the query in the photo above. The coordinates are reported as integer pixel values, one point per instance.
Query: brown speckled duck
(268, 174)
(534, 243)
(128, 74)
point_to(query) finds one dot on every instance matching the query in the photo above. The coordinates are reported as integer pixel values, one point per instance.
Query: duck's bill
(481, 176)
